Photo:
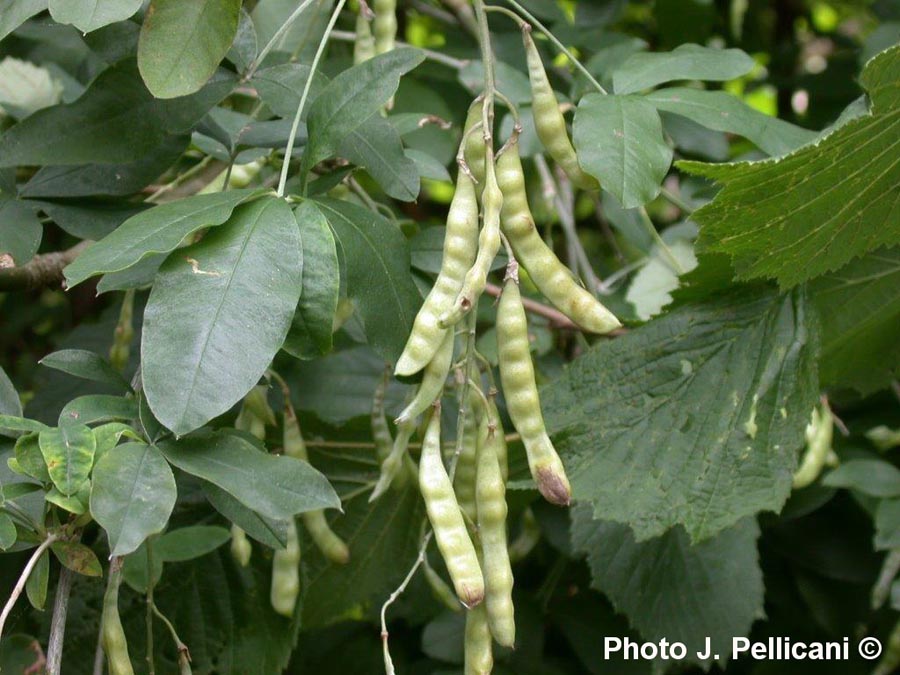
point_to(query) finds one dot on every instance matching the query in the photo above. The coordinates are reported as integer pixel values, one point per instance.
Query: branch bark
(42, 270)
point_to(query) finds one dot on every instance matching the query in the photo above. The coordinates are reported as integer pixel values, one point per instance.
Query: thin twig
(42, 270)
(149, 616)
(20, 584)
(179, 645)
(306, 89)
(58, 622)
(676, 201)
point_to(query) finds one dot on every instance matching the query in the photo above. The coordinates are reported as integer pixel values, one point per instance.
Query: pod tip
(553, 486)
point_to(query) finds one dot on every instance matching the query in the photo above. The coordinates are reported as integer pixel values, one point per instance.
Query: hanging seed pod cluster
(465, 497)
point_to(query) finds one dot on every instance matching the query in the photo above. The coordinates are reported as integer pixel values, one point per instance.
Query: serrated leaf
(157, 230)
(89, 15)
(269, 531)
(699, 414)
(720, 111)
(69, 454)
(620, 142)
(687, 62)
(132, 495)
(183, 41)
(352, 98)
(811, 212)
(873, 477)
(378, 276)
(650, 581)
(9, 398)
(20, 231)
(376, 147)
(311, 327)
(16, 12)
(36, 586)
(116, 120)
(859, 307)
(77, 557)
(650, 289)
(86, 365)
(218, 313)
(98, 408)
(187, 543)
(274, 485)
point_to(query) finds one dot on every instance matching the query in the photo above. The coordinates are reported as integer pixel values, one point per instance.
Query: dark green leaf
(9, 398)
(377, 148)
(116, 120)
(687, 62)
(98, 408)
(183, 41)
(352, 98)
(245, 47)
(69, 454)
(135, 573)
(219, 311)
(7, 531)
(30, 459)
(89, 220)
(77, 503)
(311, 328)
(619, 141)
(36, 586)
(275, 486)
(77, 557)
(378, 276)
(20, 231)
(845, 185)
(887, 525)
(14, 424)
(874, 477)
(85, 364)
(281, 86)
(699, 414)
(132, 495)
(157, 230)
(109, 435)
(89, 15)
(105, 179)
(670, 589)
(720, 111)
(859, 307)
(188, 543)
(268, 531)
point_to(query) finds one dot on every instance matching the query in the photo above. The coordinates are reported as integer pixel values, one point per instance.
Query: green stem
(306, 88)
(559, 45)
(666, 251)
(149, 617)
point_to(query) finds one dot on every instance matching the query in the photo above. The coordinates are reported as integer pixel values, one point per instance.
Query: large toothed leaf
(698, 414)
(218, 313)
(157, 230)
(133, 493)
(378, 277)
(814, 210)
(183, 41)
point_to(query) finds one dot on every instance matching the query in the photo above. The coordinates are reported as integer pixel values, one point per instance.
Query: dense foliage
(219, 221)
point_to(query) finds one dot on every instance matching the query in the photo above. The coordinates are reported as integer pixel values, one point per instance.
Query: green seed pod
(466, 463)
(479, 657)
(364, 44)
(517, 376)
(498, 439)
(124, 334)
(381, 434)
(446, 518)
(385, 25)
(890, 661)
(529, 536)
(491, 500)
(112, 634)
(460, 247)
(393, 468)
(286, 575)
(241, 549)
(325, 539)
(488, 246)
(474, 147)
(549, 121)
(433, 381)
(257, 402)
(819, 436)
(552, 278)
